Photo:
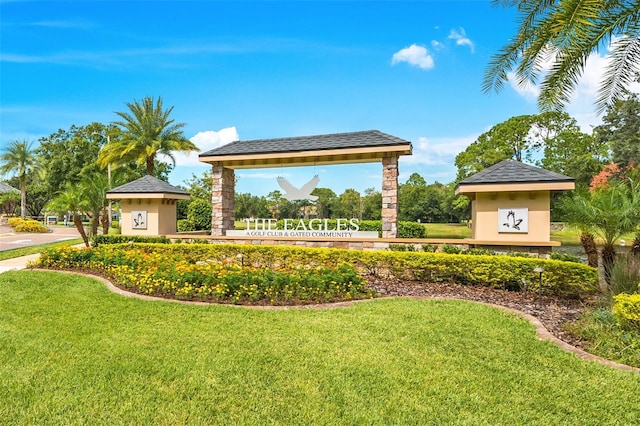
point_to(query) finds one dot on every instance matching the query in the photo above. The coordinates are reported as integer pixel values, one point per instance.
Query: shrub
(451, 249)
(625, 275)
(101, 239)
(626, 309)
(13, 221)
(402, 247)
(519, 254)
(479, 251)
(27, 225)
(170, 273)
(186, 225)
(430, 248)
(199, 212)
(565, 257)
(565, 279)
(411, 230)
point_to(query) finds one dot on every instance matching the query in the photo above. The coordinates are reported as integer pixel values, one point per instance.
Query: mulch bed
(553, 312)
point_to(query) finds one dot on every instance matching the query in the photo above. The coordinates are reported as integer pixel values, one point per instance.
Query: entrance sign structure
(148, 206)
(510, 205)
(339, 148)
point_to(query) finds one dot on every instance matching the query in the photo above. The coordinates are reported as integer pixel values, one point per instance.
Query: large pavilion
(339, 148)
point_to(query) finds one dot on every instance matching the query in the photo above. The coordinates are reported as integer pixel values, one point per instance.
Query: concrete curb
(541, 330)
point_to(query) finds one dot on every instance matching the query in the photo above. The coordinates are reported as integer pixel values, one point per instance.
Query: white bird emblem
(292, 193)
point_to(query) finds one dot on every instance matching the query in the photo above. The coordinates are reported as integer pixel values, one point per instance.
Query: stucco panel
(485, 215)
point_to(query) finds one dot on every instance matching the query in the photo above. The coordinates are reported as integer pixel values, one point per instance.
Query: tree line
(75, 167)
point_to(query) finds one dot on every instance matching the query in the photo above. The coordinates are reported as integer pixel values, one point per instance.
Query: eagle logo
(304, 193)
(515, 222)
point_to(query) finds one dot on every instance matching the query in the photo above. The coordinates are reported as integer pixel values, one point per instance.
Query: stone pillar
(390, 197)
(222, 199)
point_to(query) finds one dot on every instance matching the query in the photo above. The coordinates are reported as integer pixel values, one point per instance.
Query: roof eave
(471, 188)
(296, 158)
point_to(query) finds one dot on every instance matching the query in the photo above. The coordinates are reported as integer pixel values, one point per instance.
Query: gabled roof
(512, 174)
(369, 145)
(4, 188)
(510, 171)
(148, 185)
(365, 139)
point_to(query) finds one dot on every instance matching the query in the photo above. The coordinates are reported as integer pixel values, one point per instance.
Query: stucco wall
(161, 216)
(485, 215)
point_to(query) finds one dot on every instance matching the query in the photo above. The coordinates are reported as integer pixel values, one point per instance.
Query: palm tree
(72, 200)
(94, 191)
(607, 213)
(19, 159)
(146, 132)
(566, 32)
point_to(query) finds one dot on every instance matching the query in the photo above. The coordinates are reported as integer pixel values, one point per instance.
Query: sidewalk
(17, 263)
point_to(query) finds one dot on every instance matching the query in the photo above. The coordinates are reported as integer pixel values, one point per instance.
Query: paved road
(11, 240)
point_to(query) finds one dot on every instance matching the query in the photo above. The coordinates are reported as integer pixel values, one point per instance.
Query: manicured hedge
(186, 225)
(27, 225)
(169, 273)
(100, 239)
(626, 309)
(566, 279)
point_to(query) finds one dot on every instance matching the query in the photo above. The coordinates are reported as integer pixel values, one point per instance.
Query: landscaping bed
(554, 312)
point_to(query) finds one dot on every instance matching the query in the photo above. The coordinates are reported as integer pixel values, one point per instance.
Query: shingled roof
(512, 171)
(148, 185)
(364, 139)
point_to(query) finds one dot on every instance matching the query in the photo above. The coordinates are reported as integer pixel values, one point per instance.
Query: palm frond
(621, 71)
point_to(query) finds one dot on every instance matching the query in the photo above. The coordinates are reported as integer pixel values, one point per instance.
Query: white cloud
(581, 105)
(437, 45)
(461, 38)
(206, 141)
(438, 151)
(414, 55)
(527, 91)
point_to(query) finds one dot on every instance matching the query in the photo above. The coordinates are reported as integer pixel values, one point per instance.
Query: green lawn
(447, 230)
(25, 251)
(71, 352)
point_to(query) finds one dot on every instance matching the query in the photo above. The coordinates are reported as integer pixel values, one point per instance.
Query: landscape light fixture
(539, 270)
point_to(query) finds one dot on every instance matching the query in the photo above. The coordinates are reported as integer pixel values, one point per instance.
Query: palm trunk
(635, 247)
(608, 257)
(105, 222)
(149, 163)
(95, 222)
(23, 199)
(78, 222)
(591, 250)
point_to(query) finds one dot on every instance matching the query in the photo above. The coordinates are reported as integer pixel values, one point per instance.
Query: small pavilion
(511, 204)
(148, 206)
(339, 148)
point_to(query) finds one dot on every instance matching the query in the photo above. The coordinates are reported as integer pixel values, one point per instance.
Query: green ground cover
(71, 352)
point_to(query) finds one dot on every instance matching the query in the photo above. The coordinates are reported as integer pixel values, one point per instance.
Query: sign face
(513, 220)
(343, 228)
(139, 219)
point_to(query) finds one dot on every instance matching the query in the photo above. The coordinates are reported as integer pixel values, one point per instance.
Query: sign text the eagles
(339, 228)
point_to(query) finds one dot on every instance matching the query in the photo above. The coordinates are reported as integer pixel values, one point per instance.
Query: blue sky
(254, 70)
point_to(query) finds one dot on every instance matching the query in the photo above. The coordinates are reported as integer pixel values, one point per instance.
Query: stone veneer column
(390, 197)
(222, 199)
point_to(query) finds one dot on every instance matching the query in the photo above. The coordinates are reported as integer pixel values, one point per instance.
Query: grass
(447, 230)
(25, 251)
(71, 352)
(606, 339)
